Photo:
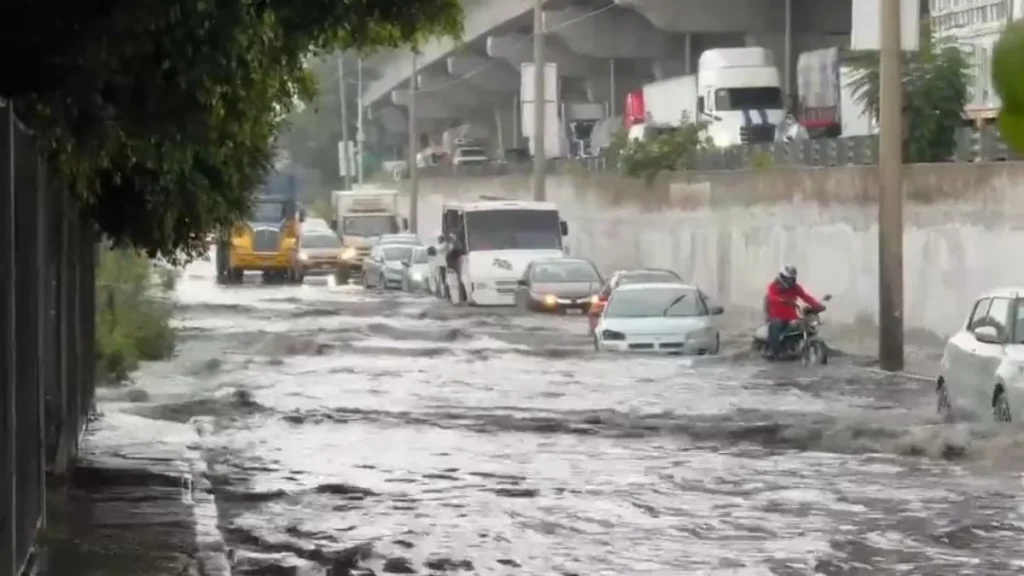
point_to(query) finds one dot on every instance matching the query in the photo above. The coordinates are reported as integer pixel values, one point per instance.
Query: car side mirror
(826, 298)
(431, 251)
(522, 283)
(564, 227)
(717, 310)
(334, 224)
(405, 264)
(987, 334)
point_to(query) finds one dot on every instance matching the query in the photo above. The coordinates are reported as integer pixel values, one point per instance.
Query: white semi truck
(827, 106)
(737, 91)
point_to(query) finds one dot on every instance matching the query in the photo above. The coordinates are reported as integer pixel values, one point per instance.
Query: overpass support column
(787, 70)
(688, 54)
(611, 85)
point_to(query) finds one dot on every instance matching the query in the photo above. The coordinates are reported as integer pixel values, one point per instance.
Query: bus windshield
(369, 225)
(513, 230)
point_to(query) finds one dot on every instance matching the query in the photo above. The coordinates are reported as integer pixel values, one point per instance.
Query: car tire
(382, 282)
(943, 406)
(366, 281)
(1001, 407)
(405, 284)
(597, 343)
(341, 277)
(718, 345)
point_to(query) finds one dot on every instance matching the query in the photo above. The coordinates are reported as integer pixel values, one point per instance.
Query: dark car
(559, 285)
(622, 277)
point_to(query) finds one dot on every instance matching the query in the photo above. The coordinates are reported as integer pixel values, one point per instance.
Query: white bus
(491, 242)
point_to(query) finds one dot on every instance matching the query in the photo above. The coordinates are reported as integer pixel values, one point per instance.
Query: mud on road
(397, 434)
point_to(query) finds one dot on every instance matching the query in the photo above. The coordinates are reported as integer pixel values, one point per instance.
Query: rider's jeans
(776, 328)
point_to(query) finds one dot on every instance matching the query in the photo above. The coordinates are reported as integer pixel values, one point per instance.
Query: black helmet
(787, 276)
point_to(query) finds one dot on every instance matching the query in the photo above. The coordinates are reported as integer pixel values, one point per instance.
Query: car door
(523, 286)
(957, 356)
(371, 268)
(987, 356)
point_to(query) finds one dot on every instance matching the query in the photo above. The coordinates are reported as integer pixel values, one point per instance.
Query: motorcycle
(800, 340)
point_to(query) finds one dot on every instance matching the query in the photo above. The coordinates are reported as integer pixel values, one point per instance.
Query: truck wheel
(236, 276)
(341, 276)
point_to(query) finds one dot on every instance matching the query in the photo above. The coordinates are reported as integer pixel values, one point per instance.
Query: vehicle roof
(625, 271)
(493, 205)
(653, 285)
(1004, 292)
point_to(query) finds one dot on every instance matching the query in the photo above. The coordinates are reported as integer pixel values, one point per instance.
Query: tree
(1008, 78)
(161, 116)
(935, 80)
(665, 149)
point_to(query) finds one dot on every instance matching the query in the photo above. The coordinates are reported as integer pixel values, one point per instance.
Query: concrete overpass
(603, 48)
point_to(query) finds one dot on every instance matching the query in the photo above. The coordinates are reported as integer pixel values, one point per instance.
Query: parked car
(982, 369)
(470, 156)
(558, 285)
(416, 269)
(622, 278)
(383, 267)
(666, 318)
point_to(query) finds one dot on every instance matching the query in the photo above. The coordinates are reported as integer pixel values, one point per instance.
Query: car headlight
(349, 253)
(416, 276)
(612, 335)
(303, 256)
(550, 300)
(594, 299)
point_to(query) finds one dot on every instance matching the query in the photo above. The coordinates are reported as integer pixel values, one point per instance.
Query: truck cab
(488, 245)
(361, 217)
(267, 240)
(739, 92)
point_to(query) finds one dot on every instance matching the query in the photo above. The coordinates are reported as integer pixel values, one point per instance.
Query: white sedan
(666, 318)
(982, 370)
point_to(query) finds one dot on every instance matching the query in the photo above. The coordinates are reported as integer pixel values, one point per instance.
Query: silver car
(405, 238)
(416, 273)
(383, 267)
(319, 251)
(666, 318)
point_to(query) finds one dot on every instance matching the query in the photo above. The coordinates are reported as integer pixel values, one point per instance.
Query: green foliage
(1008, 78)
(665, 149)
(762, 161)
(162, 116)
(132, 314)
(935, 80)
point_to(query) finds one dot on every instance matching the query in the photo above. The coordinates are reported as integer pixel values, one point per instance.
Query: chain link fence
(47, 345)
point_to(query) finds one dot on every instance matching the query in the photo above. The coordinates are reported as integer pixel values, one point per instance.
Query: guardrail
(971, 146)
(47, 337)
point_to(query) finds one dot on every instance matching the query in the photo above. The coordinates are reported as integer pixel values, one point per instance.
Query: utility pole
(346, 164)
(890, 195)
(360, 135)
(414, 181)
(540, 159)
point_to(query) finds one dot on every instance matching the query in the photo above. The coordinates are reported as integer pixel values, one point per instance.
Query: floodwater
(389, 433)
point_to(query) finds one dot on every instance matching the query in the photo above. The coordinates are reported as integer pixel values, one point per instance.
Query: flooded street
(399, 434)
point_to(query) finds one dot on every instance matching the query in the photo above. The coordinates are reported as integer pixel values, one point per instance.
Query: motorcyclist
(780, 307)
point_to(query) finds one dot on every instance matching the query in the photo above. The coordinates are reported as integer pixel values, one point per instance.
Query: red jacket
(781, 302)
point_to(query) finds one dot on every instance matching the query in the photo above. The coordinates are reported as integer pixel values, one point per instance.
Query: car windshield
(651, 302)
(399, 253)
(369, 225)
(472, 153)
(513, 230)
(766, 97)
(407, 240)
(1018, 322)
(568, 271)
(420, 257)
(320, 241)
(647, 276)
(268, 212)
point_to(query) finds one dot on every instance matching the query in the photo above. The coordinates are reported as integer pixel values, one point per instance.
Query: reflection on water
(360, 430)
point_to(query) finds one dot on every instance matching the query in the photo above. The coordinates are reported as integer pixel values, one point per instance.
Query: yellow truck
(361, 216)
(268, 241)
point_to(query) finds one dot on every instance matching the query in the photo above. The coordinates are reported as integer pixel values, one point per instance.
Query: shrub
(665, 149)
(133, 314)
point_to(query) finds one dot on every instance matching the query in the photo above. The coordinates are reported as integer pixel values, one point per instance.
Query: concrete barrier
(731, 231)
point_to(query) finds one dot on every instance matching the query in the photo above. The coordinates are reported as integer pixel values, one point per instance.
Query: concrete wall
(731, 231)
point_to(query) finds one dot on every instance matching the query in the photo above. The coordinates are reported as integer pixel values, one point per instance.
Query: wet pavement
(392, 433)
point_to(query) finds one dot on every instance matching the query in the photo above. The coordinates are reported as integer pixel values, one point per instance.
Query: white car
(982, 370)
(401, 238)
(659, 317)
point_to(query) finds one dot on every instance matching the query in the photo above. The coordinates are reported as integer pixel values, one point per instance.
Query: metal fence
(47, 347)
(971, 146)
